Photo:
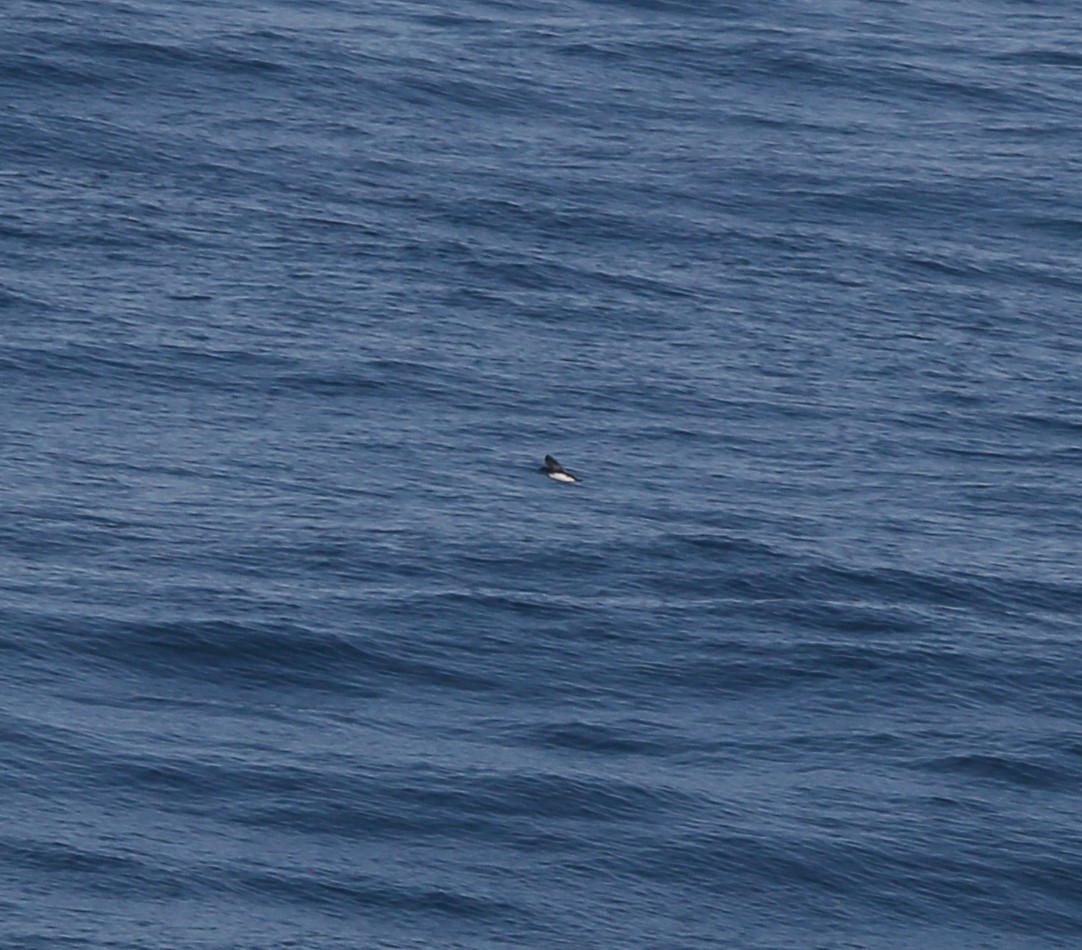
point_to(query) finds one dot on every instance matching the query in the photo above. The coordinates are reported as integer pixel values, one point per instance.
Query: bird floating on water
(556, 471)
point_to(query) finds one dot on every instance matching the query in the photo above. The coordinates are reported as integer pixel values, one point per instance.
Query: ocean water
(298, 648)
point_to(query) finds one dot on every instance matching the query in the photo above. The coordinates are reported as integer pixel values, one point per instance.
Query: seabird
(556, 471)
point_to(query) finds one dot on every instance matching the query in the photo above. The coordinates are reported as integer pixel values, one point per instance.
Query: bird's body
(557, 472)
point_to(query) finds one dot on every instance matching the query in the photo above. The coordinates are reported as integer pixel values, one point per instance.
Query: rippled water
(298, 648)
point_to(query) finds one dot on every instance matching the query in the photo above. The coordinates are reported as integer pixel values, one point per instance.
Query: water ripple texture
(298, 645)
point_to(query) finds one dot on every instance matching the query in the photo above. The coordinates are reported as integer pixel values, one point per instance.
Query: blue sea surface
(298, 646)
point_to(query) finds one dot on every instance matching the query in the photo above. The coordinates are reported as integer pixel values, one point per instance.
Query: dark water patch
(342, 385)
(682, 8)
(837, 673)
(1005, 770)
(512, 97)
(262, 655)
(852, 597)
(44, 754)
(166, 368)
(33, 69)
(144, 61)
(1051, 422)
(1056, 223)
(342, 891)
(18, 301)
(116, 870)
(886, 876)
(568, 797)
(604, 739)
(481, 806)
(982, 593)
(1037, 56)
